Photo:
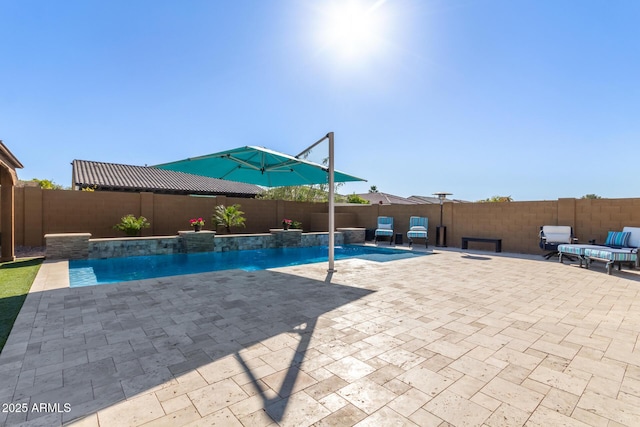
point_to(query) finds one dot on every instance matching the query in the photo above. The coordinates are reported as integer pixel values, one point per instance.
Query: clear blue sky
(536, 99)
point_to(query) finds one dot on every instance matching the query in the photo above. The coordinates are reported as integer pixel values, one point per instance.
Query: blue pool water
(113, 270)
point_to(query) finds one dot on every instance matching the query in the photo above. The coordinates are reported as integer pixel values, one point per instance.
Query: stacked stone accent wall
(320, 239)
(286, 238)
(67, 246)
(133, 246)
(80, 246)
(235, 242)
(197, 241)
(352, 235)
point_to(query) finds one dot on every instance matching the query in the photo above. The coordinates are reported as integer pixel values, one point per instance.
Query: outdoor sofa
(620, 247)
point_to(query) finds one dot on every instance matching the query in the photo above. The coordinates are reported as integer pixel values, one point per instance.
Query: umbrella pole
(331, 206)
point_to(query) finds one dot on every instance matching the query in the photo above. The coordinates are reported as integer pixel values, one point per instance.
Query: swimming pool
(112, 270)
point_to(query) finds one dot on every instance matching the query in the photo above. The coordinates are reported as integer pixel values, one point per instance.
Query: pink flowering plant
(287, 222)
(196, 222)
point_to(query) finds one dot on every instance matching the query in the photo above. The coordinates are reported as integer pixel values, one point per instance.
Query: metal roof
(117, 177)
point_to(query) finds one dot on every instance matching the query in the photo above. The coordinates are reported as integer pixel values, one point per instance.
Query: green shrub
(354, 198)
(132, 225)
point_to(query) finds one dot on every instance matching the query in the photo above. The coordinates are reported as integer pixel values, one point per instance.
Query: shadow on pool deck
(93, 347)
(448, 339)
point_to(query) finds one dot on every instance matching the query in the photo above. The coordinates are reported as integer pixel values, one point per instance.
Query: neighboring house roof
(116, 177)
(433, 200)
(387, 199)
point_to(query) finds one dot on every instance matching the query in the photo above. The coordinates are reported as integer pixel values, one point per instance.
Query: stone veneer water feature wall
(81, 246)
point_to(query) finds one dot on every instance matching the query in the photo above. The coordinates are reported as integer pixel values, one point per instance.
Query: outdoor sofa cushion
(556, 234)
(577, 250)
(634, 237)
(612, 256)
(618, 239)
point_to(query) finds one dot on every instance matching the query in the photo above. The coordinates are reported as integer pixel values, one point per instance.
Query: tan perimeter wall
(39, 212)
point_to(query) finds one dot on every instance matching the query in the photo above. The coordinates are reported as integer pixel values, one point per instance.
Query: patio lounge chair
(619, 247)
(385, 228)
(418, 229)
(551, 236)
(623, 249)
(572, 251)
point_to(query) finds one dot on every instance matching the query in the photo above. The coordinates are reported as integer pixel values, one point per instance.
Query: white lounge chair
(551, 236)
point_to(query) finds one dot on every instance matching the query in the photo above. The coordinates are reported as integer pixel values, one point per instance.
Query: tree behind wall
(301, 193)
(47, 184)
(496, 199)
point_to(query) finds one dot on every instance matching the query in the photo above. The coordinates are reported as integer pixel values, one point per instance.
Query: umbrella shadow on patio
(276, 405)
(99, 348)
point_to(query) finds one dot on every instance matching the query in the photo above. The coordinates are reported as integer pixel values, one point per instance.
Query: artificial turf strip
(16, 279)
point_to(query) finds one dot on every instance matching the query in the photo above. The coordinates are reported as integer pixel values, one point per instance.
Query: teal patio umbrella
(259, 166)
(268, 168)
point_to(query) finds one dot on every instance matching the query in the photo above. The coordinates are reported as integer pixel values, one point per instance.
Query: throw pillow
(617, 239)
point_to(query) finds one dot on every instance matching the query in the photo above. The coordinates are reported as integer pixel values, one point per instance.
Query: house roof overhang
(9, 162)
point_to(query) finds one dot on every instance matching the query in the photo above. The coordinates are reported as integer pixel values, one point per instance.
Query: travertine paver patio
(454, 338)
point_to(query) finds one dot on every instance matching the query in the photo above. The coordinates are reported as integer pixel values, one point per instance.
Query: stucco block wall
(40, 212)
(66, 211)
(516, 223)
(595, 217)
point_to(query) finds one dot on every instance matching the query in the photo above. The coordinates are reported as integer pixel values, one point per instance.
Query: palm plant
(228, 217)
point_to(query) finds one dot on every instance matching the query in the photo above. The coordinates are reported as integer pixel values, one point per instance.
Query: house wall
(39, 212)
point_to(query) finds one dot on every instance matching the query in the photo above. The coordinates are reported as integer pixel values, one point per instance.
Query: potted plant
(286, 223)
(228, 217)
(197, 223)
(132, 225)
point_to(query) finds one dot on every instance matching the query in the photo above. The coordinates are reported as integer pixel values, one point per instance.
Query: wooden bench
(497, 242)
